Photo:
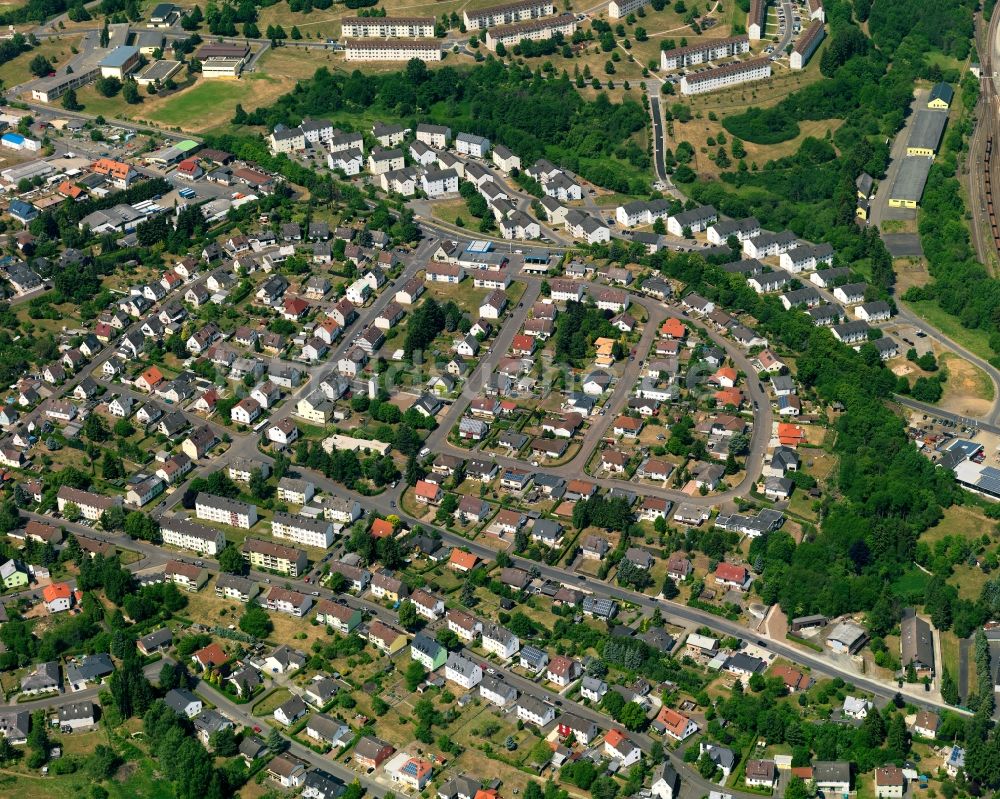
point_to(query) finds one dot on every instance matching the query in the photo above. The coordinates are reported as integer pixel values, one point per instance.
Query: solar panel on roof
(989, 480)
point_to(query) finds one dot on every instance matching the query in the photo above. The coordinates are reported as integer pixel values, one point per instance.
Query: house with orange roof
(462, 561)
(673, 328)
(149, 379)
(629, 426)
(732, 576)
(209, 657)
(415, 773)
(487, 793)
(427, 493)
(618, 747)
(674, 725)
(729, 396)
(58, 597)
(118, 173)
(70, 189)
(790, 435)
(328, 330)
(725, 376)
(522, 345)
(382, 528)
(295, 308)
(793, 679)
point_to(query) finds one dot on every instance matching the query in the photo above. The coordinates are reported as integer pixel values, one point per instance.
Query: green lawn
(210, 102)
(975, 341)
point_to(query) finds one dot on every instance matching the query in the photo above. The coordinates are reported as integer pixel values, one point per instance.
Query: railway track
(988, 132)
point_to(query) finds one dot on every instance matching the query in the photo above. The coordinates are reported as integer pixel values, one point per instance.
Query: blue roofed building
(21, 211)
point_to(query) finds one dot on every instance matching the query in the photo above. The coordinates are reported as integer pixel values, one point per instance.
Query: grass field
(16, 71)
(960, 520)
(975, 341)
(271, 702)
(210, 104)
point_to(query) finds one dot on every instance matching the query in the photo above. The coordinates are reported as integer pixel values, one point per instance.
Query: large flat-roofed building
(225, 68)
(119, 62)
(622, 8)
(157, 72)
(926, 131)
(163, 16)
(51, 89)
(268, 555)
(724, 76)
(508, 13)
(756, 19)
(388, 27)
(806, 44)
(149, 42)
(700, 52)
(223, 60)
(535, 29)
(908, 187)
(220, 50)
(392, 49)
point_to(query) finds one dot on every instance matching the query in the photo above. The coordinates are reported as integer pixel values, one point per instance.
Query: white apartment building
(535, 30)
(500, 641)
(756, 19)
(622, 8)
(696, 220)
(462, 671)
(388, 28)
(436, 136)
(287, 140)
(189, 535)
(439, 181)
(702, 52)
(302, 530)
(349, 162)
(471, 144)
(534, 711)
(508, 13)
(225, 511)
(806, 44)
(381, 161)
(91, 505)
(392, 49)
(742, 229)
(728, 75)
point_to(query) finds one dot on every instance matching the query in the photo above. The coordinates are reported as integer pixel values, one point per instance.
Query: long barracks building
(536, 29)
(393, 49)
(728, 75)
(700, 52)
(388, 27)
(508, 14)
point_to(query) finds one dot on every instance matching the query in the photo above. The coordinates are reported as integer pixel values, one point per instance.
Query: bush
(762, 126)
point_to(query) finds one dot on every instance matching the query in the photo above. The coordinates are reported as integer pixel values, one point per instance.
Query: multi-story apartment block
(392, 49)
(728, 75)
(211, 508)
(189, 535)
(302, 530)
(700, 52)
(534, 29)
(275, 557)
(388, 28)
(508, 13)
